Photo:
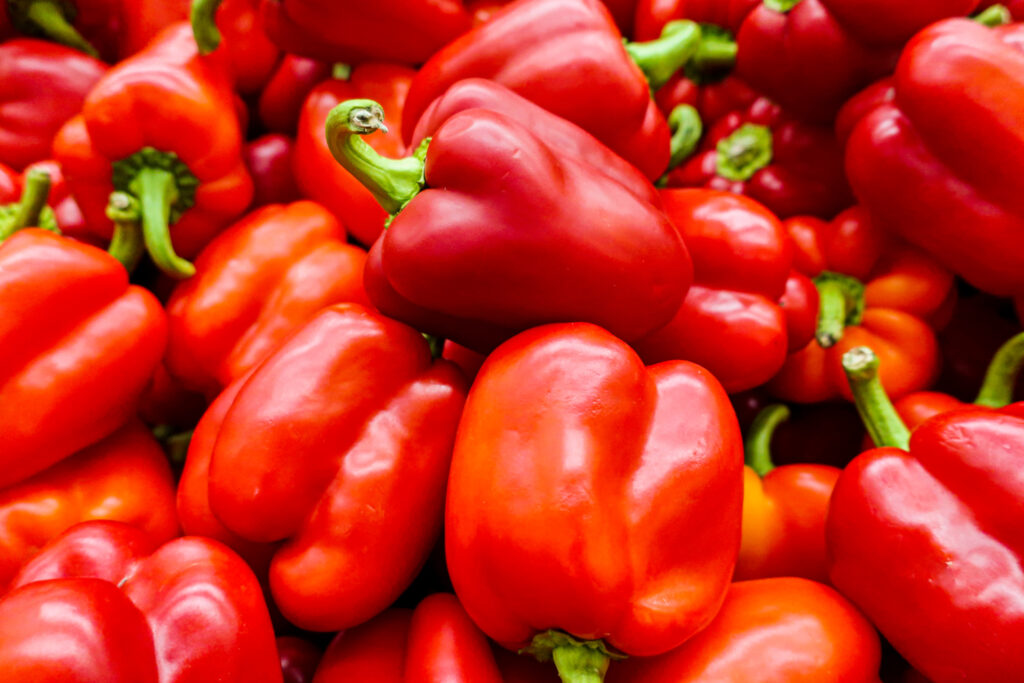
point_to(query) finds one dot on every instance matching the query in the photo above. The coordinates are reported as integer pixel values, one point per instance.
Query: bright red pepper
(873, 292)
(299, 659)
(282, 98)
(435, 642)
(784, 509)
(124, 477)
(730, 321)
(10, 184)
(379, 439)
(622, 521)
(80, 347)
(924, 534)
(552, 52)
(253, 56)
(791, 167)
(927, 185)
(160, 126)
(44, 86)
(712, 98)
(104, 602)
(653, 15)
(269, 159)
(407, 31)
(317, 173)
(784, 630)
(255, 284)
(514, 228)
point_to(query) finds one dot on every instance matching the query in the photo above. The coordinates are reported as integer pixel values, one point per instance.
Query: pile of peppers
(530, 341)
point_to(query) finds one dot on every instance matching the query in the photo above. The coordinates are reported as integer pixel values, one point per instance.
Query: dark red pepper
(269, 160)
(282, 97)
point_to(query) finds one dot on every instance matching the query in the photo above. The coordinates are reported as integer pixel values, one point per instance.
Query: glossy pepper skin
(552, 52)
(730, 321)
(435, 642)
(255, 284)
(512, 230)
(873, 292)
(282, 98)
(269, 159)
(44, 85)
(405, 31)
(761, 151)
(375, 419)
(317, 173)
(162, 127)
(926, 185)
(252, 55)
(299, 659)
(923, 535)
(124, 477)
(782, 630)
(646, 507)
(784, 509)
(130, 609)
(81, 346)
(653, 15)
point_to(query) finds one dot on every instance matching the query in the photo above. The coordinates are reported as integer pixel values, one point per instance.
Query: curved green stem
(717, 51)
(33, 200)
(49, 18)
(660, 58)
(745, 152)
(435, 343)
(687, 129)
(204, 25)
(757, 446)
(392, 182)
(127, 244)
(841, 304)
(781, 5)
(876, 410)
(996, 15)
(1001, 376)
(577, 661)
(157, 192)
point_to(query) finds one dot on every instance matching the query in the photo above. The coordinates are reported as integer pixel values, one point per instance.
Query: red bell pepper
(160, 126)
(713, 98)
(124, 477)
(253, 56)
(645, 507)
(269, 160)
(10, 184)
(730, 321)
(380, 439)
(792, 168)
(67, 216)
(44, 86)
(255, 284)
(435, 642)
(784, 630)
(515, 228)
(923, 534)
(317, 173)
(784, 509)
(80, 347)
(299, 659)
(88, 26)
(653, 15)
(553, 52)
(873, 291)
(282, 98)
(927, 185)
(104, 602)
(407, 31)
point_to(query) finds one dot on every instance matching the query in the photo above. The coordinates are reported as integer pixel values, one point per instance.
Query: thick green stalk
(745, 152)
(876, 410)
(687, 129)
(204, 25)
(48, 18)
(33, 200)
(841, 303)
(661, 58)
(157, 192)
(1001, 376)
(127, 245)
(757, 445)
(996, 15)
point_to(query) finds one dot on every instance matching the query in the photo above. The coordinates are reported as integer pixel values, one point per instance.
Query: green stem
(580, 664)
(157, 191)
(127, 244)
(687, 129)
(204, 25)
(757, 445)
(33, 200)
(1001, 376)
(716, 52)
(435, 343)
(660, 58)
(996, 15)
(781, 5)
(841, 303)
(49, 18)
(876, 410)
(392, 182)
(745, 152)
(341, 71)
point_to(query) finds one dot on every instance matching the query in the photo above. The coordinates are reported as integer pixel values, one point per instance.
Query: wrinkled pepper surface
(621, 528)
